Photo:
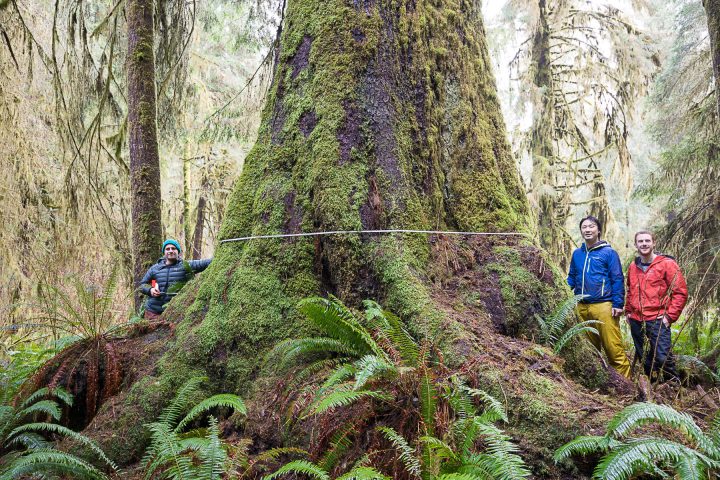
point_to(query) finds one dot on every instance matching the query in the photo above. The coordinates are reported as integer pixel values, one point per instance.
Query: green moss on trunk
(381, 115)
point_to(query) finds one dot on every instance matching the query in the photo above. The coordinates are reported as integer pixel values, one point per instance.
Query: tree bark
(198, 235)
(382, 115)
(144, 157)
(712, 8)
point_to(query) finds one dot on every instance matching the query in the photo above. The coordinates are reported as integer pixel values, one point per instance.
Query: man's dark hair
(592, 219)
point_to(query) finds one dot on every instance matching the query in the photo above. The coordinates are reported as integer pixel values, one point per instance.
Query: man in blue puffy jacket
(164, 279)
(596, 273)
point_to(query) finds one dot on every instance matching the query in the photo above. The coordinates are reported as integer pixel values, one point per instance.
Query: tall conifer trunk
(712, 8)
(382, 115)
(144, 157)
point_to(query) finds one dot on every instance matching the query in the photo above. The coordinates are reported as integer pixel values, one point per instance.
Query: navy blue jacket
(597, 274)
(166, 276)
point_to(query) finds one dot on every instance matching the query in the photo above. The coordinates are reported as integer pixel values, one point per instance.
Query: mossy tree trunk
(712, 8)
(144, 157)
(381, 115)
(552, 204)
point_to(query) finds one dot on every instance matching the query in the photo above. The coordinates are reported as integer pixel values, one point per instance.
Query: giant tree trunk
(144, 157)
(381, 115)
(712, 8)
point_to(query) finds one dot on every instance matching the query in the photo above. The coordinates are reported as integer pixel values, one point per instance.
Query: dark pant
(655, 354)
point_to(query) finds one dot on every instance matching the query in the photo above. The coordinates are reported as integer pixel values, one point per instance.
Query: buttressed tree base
(381, 115)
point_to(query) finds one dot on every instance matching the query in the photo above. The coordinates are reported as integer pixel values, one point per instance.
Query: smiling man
(596, 274)
(657, 294)
(164, 279)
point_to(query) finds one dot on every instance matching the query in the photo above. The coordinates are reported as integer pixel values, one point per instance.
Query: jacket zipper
(586, 268)
(602, 290)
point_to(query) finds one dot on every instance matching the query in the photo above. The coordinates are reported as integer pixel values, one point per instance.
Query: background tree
(684, 123)
(144, 157)
(712, 9)
(579, 73)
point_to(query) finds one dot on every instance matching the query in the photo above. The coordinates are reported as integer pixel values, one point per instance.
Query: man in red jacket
(656, 296)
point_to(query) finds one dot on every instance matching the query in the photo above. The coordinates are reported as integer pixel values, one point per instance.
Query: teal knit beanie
(170, 241)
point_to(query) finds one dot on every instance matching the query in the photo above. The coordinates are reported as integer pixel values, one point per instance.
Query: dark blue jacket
(166, 277)
(597, 274)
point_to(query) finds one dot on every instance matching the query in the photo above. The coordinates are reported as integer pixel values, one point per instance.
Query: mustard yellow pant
(609, 339)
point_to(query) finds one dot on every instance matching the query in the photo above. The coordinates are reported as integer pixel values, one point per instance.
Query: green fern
(577, 329)
(553, 327)
(196, 455)
(406, 452)
(23, 445)
(626, 457)
(304, 467)
(342, 398)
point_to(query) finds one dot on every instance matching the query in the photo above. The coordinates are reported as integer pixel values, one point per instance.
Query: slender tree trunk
(712, 8)
(552, 205)
(199, 224)
(186, 226)
(144, 157)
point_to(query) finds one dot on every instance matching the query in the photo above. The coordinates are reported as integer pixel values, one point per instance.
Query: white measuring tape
(345, 232)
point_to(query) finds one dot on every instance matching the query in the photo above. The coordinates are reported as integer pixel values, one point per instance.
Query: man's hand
(665, 320)
(155, 291)
(616, 312)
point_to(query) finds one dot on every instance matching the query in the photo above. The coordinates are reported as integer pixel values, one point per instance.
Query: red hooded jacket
(661, 290)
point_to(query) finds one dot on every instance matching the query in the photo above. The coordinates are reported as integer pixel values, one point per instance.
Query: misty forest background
(610, 109)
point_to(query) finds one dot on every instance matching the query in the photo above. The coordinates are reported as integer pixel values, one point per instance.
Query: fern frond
(690, 468)
(164, 449)
(428, 402)
(275, 453)
(343, 398)
(32, 441)
(339, 375)
(639, 414)
(171, 414)
(38, 394)
(558, 318)
(213, 455)
(50, 462)
(337, 321)
(459, 476)
(442, 450)
(48, 407)
(221, 400)
(406, 452)
(494, 410)
(577, 329)
(301, 467)
(292, 351)
(585, 445)
(502, 457)
(642, 455)
(494, 467)
(363, 473)
(339, 444)
(393, 330)
(61, 430)
(370, 366)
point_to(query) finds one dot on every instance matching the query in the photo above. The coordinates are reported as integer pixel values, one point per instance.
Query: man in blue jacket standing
(596, 273)
(164, 279)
